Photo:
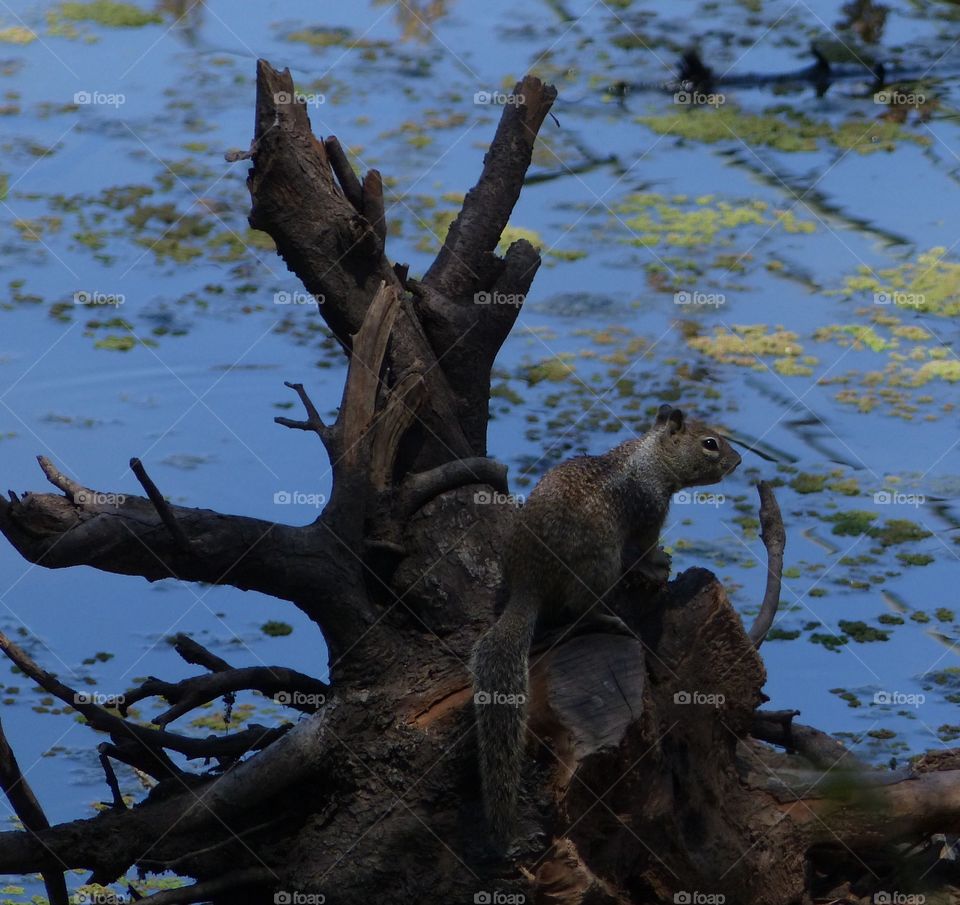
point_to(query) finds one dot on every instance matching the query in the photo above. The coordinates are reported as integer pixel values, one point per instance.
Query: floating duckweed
(333, 37)
(276, 629)
(746, 344)
(851, 522)
(658, 220)
(898, 531)
(17, 34)
(861, 632)
(848, 696)
(830, 642)
(784, 132)
(779, 634)
(107, 12)
(557, 368)
(930, 284)
(808, 483)
(882, 734)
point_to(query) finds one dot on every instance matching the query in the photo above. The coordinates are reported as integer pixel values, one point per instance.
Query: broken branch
(774, 539)
(161, 505)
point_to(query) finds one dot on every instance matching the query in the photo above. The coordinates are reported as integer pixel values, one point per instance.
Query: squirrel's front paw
(653, 568)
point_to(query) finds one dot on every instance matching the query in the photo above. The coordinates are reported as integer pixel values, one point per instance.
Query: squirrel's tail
(499, 664)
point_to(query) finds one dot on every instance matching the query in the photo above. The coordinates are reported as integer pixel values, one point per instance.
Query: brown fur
(565, 553)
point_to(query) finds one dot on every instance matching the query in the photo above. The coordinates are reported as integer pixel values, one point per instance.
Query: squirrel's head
(693, 452)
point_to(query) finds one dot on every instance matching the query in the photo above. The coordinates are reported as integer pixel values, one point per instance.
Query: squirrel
(565, 553)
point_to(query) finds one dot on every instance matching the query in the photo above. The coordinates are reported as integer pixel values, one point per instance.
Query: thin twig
(112, 782)
(313, 422)
(160, 504)
(194, 652)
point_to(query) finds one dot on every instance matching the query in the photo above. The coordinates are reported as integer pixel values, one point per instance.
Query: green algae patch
(555, 369)
(848, 696)
(320, 38)
(17, 34)
(857, 336)
(219, 721)
(808, 483)
(780, 128)
(748, 344)
(727, 123)
(830, 642)
(930, 283)
(898, 531)
(779, 634)
(107, 12)
(855, 522)
(275, 629)
(682, 222)
(851, 523)
(913, 357)
(861, 632)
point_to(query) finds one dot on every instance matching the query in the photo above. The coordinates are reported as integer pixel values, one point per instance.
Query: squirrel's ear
(676, 421)
(663, 413)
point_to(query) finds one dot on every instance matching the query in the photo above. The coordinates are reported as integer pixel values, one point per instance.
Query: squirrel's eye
(711, 444)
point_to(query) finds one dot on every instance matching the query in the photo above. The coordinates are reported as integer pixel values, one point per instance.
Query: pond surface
(782, 263)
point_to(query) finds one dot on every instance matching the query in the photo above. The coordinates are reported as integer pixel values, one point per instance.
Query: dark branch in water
(27, 808)
(774, 539)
